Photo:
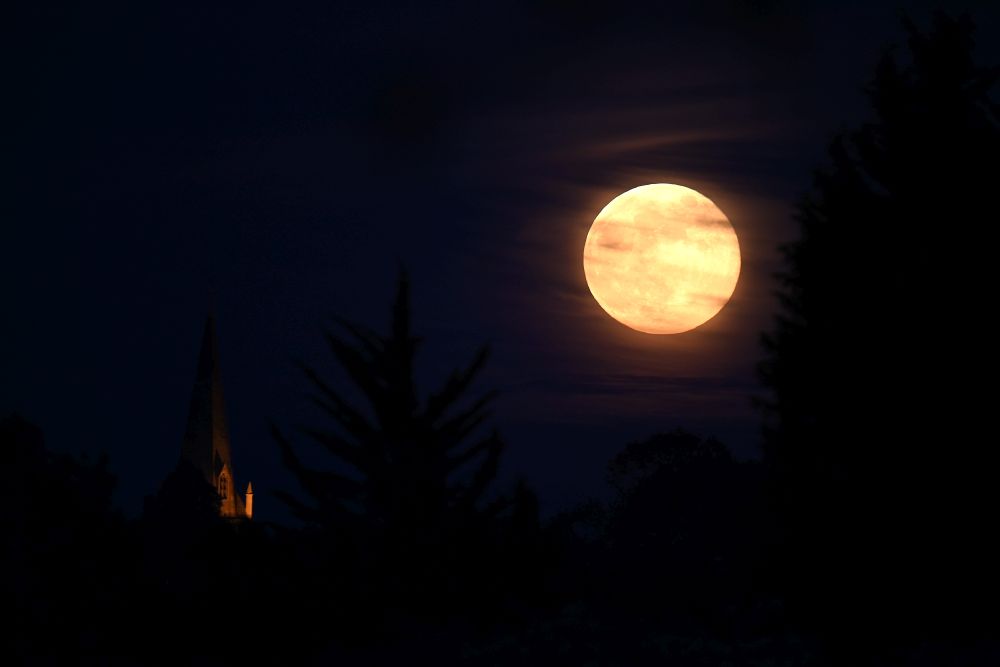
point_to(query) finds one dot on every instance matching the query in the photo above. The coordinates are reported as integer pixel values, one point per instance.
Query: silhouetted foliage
(686, 524)
(64, 553)
(405, 498)
(668, 570)
(660, 454)
(875, 418)
(409, 453)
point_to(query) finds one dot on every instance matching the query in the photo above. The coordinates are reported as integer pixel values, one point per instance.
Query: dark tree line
(862, 536)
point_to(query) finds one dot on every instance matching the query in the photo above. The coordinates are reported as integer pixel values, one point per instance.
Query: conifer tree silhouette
(410, 470)
(873, 418)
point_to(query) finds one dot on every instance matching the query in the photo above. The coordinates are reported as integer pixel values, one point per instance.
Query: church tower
(206, 438)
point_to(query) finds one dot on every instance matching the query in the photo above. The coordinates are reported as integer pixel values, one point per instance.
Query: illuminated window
(223, 486)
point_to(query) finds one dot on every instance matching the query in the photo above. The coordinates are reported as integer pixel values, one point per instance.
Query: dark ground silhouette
(864, 536)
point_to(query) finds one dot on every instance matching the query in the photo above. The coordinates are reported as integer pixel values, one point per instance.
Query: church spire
(206, 438)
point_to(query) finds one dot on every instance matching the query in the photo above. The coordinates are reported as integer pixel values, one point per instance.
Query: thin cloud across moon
(662, 259)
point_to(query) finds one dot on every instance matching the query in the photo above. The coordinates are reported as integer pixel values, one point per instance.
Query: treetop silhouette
(414, 463)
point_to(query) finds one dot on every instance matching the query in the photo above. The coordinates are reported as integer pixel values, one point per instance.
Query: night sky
(276, 166)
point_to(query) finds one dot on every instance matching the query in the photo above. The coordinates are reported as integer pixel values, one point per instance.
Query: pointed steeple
(206, 438)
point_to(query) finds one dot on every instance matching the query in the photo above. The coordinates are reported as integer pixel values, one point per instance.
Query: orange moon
(662, 258)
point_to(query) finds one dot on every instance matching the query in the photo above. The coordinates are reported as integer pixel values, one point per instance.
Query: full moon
(662, 258)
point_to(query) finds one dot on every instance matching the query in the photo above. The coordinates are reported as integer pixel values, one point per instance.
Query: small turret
(249, 500)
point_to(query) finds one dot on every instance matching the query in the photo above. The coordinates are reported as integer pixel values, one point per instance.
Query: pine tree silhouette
(410, 475)
(874, 419)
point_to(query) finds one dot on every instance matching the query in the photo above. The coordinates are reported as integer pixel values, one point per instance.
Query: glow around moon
(662, 259)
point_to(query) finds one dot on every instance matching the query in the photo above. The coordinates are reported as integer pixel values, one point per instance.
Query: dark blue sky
(275, 164)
